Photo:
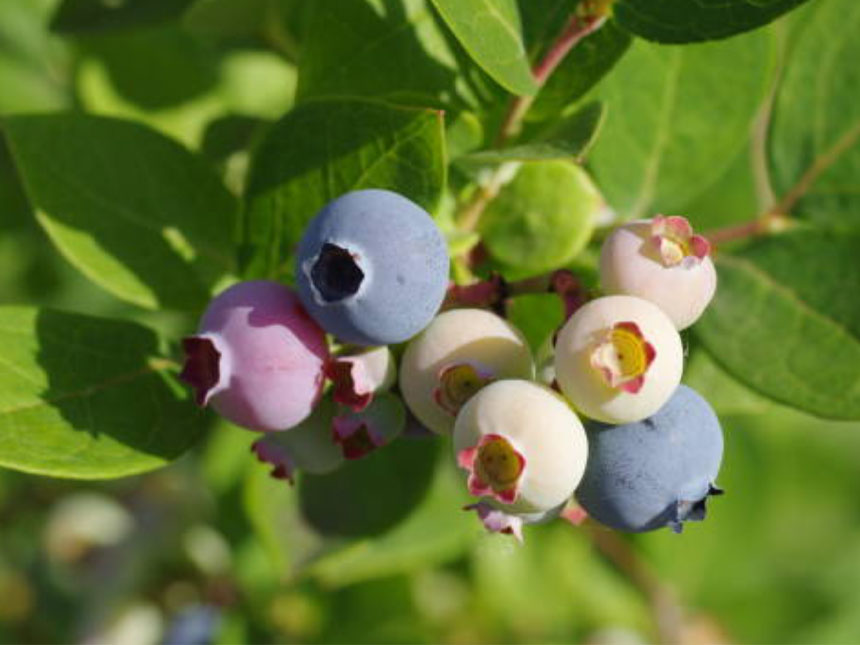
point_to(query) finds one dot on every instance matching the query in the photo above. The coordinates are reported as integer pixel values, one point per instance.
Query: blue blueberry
(655, 472)
(372, 268)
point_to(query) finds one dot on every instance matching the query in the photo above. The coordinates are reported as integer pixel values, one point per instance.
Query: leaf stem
(579, 25)
(822, 163)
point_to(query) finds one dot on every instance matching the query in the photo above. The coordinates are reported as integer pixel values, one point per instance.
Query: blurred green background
(213, 546)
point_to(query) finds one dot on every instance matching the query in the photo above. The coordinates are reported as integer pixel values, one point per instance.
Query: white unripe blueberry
(662, 261)
(618, 359)
(523, 446)
(456, 355)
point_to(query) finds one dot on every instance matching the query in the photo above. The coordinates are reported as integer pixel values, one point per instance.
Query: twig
(577, 27)
(666, 612)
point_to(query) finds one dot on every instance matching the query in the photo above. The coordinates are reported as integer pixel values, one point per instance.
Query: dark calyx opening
(335, 273)
(201, 370)
(692, 510)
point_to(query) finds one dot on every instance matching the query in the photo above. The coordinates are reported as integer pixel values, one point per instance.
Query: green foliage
(87, 397)
(154, 228)
(787, 323)
(321, 150)
(491, 32)
(669, 132)
(681, 21)
(816, 122)
(76, 16)
(569, 137)
(386, 48)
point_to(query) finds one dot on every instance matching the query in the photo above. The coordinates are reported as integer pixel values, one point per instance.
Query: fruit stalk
(494, 292)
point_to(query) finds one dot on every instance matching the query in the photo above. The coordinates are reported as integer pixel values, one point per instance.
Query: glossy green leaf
(379, 48)
(438, 531)
(370, 495)
(683, 21)
(88, 397)
(669, 132)
(568, 138)
(581, 69)
(77, 16)
(543, 217)
(491, 32)
(815, 136)
(786, 321)
(132, 210)
(323, 149)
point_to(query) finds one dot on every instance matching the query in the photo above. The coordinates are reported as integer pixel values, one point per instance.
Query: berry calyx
(673, 236)
(494, 468)
(623, 356)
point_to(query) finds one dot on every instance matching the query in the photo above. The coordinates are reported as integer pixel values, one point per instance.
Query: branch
(578, 27)
(665, 610)
(822, 163)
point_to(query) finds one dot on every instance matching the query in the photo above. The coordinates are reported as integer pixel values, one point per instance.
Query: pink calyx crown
(623, 357)
(355, 436)
(676, 243)
(495, 468)
(497, 521)
(351, 386)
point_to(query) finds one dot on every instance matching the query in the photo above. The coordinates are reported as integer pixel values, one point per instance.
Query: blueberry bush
(289, 284)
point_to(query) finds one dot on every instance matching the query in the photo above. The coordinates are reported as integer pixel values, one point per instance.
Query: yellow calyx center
(498, 463)
(674, 249)
(623, 357)
(458, 384)
(623, 354)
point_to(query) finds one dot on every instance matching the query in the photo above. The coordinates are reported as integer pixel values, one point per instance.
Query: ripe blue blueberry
(372, 268)
(655, 472)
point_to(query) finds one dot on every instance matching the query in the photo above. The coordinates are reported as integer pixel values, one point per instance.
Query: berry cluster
(372, 271)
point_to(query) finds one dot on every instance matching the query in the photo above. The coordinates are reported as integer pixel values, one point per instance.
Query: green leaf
(87, 397)
(369, 496)
(323, 149)
(35, 71)
(77, 16)
(682, 21)
(154, 68)
(379, 48)
(570, 137)
(438, 531)
(580, 70)
(786, 321)
(670, 130)
(815, 137)
(490, 31)
(132, 210)
(543, 217)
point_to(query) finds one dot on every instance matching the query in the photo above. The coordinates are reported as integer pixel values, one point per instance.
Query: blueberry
(258, 357)
(655, 472)
(372, 268)
(663, 261)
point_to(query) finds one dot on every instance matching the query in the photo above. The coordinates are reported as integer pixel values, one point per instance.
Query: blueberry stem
(495, 292)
